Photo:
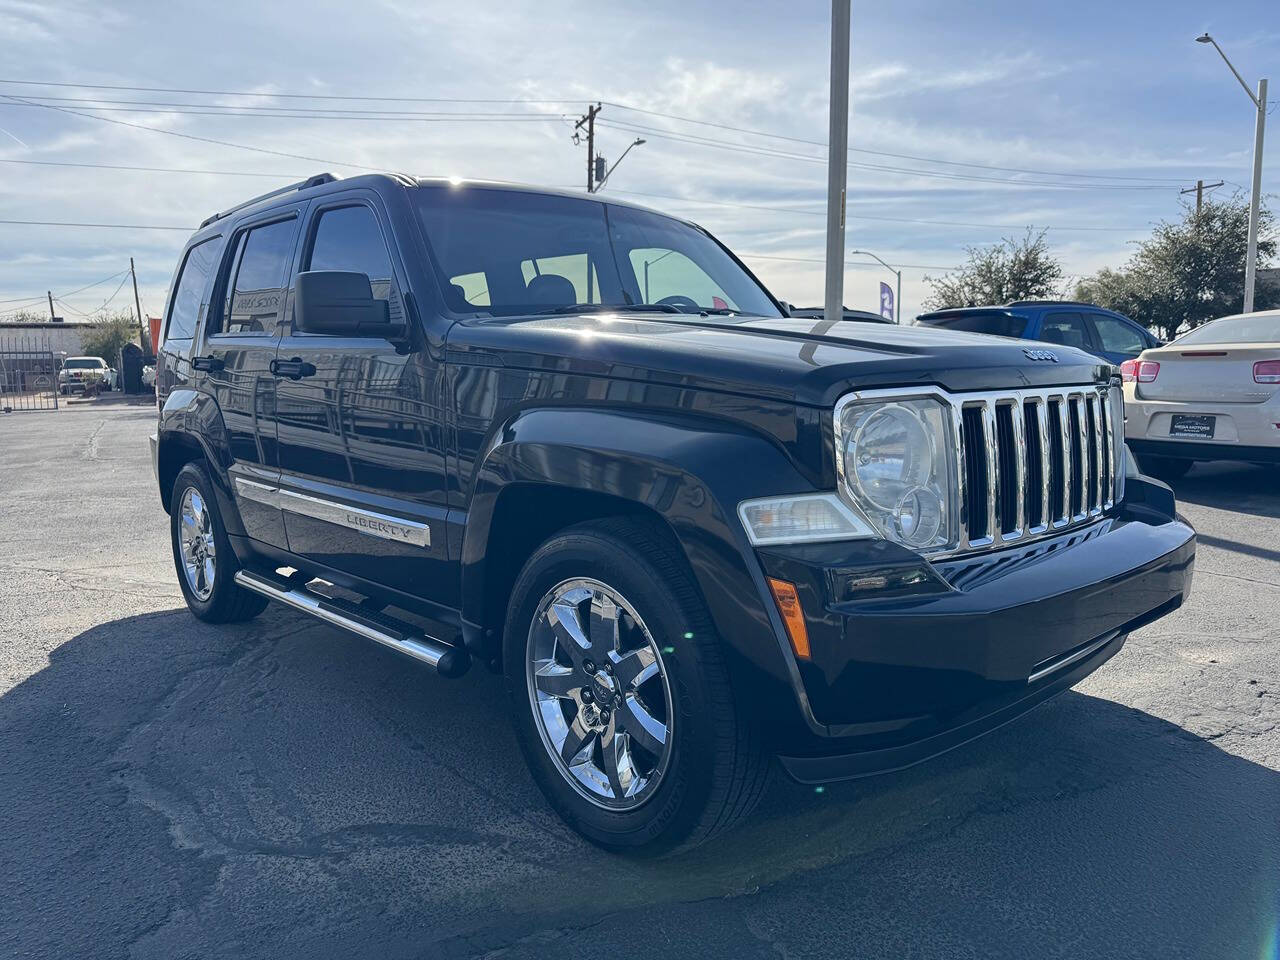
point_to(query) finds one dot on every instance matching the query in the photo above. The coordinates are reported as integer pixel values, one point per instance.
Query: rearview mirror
(338, 303)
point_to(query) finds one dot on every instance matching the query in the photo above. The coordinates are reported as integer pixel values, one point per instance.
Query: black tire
(1167, 469)
(227, 602)
(717, 770)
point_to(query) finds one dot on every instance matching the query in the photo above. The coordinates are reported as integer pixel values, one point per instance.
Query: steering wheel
(680, 300)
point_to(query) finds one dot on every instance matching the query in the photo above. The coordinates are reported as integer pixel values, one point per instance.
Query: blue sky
(1117, 91)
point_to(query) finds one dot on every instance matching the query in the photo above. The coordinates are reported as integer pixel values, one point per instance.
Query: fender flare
(691, 472)
(196, 416)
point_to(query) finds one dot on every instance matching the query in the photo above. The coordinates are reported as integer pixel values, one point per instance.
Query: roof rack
(316, 181)
(1034, 303)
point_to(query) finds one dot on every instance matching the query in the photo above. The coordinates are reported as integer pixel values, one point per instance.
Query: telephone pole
(52, 318)
(142, 327)
(589, 121)
(1199, 190)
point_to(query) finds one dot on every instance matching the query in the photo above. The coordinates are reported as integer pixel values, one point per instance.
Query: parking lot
(279, 789)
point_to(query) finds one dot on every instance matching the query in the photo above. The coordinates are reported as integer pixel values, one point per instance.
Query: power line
(856, 216)
(93, 103)
(120, 166)
(931, 174)
(191, 136)
(885, 153)
(215, 110)
(70, 293)
(565, 100)
(847, 263)
(105, 226)
(292, 96)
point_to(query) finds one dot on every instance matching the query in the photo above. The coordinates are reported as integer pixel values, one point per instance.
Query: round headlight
(889, 455)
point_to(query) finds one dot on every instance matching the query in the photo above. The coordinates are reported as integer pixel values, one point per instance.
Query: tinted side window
(348, 238)
(996, 324)
(1116, 336)
(1067, 329)
(255, 292)
(189, 304)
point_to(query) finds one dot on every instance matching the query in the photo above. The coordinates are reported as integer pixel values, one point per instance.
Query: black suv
(579, 442)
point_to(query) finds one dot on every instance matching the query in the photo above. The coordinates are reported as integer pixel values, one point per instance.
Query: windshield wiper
(613, 308)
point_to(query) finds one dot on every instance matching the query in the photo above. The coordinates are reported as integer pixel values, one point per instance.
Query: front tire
(620, 693)
(202, 553)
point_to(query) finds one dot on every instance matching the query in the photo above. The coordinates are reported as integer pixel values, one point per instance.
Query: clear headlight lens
(803, 518)
(897, 467)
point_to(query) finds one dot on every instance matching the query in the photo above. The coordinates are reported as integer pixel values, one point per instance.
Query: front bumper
(910, 659)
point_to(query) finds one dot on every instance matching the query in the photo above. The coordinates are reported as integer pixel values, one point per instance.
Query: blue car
(1104, 333)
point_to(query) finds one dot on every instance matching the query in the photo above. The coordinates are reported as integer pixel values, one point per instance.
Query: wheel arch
(546, 471)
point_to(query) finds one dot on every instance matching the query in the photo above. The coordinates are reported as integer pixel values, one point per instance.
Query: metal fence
(28, 373)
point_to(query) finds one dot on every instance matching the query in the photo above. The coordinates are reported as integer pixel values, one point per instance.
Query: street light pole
(608, 173)
(897, 300)
(837, 159)
(1255, 199)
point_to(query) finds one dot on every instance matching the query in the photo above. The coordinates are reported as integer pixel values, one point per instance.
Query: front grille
(1034, 462)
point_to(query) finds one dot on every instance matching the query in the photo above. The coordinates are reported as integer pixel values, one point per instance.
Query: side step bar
(371, 624)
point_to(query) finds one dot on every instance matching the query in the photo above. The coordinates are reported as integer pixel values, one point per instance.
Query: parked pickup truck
(577, 441)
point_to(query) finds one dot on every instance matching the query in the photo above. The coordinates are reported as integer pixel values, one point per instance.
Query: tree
(1001, 273)
(108, 335)
(1189, 271)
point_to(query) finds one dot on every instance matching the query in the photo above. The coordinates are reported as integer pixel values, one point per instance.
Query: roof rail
(1034, 303)
(317, 180)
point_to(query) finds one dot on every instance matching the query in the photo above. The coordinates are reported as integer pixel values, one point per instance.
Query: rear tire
(653, 794)
(1167, 469)
(202, 554)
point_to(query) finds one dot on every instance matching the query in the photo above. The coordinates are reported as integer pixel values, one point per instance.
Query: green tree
(108, 335)
(1189, 271)
(1000, 273)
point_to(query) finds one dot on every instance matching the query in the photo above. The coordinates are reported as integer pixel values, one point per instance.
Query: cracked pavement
(278, 789)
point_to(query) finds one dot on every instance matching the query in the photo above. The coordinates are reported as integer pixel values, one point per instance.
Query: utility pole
(837, 159)
(142, 327)
(52, 318)
(589, 121)
(1199, 190)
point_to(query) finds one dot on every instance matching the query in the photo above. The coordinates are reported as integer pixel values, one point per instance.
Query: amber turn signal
(784, 595)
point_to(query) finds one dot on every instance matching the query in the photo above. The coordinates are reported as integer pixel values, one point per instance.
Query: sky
(1110, 107)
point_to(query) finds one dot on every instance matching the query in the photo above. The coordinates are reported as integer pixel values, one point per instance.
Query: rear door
(239, 346)
(362, 432)
(1067, 328)
(1118, 340)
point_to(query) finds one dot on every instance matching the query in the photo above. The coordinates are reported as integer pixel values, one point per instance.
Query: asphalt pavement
(279, 789)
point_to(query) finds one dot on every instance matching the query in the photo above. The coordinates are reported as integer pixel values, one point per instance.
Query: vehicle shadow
(1240, 488)
(276, 789)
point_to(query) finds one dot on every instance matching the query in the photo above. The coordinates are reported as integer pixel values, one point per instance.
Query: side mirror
(338, 303)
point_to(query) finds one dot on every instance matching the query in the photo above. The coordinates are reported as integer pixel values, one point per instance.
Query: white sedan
(1212, 394)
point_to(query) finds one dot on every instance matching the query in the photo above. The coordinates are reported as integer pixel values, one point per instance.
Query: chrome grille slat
(991, 446)
(1080, 462)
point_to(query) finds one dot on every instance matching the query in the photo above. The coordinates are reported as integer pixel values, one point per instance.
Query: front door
(361, 426)
(239, 348)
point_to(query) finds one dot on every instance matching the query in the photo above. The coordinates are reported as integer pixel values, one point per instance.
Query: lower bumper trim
(1192, 450)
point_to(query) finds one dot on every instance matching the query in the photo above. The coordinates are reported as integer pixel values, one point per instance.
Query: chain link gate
(28, 373)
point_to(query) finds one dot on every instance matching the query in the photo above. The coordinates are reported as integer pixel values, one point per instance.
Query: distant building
(60, 338)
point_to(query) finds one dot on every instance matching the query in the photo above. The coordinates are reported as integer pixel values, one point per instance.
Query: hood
(802, 360)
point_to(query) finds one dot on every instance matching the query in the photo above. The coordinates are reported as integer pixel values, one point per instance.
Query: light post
(600, 181)
(837, 161)
(897, 297)
(1255, 200)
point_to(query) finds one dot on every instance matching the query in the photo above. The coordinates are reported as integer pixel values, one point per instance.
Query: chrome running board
(448, 661)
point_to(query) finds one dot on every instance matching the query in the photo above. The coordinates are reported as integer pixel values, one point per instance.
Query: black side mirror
(338, 303)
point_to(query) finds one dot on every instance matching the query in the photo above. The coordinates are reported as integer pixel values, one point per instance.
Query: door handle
(208, 364)
(294, 369)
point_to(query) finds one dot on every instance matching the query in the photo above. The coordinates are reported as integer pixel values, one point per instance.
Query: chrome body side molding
(369, 522)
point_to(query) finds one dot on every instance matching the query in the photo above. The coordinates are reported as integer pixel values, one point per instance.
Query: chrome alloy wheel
(195, 529)
(600, 695)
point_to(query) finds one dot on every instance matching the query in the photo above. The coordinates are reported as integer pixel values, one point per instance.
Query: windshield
(507, 252)
(83, 363)
(999, 324)
(1246, 329)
